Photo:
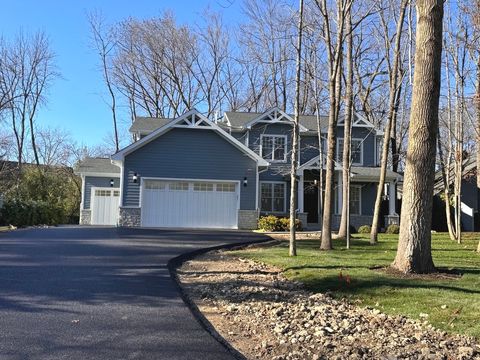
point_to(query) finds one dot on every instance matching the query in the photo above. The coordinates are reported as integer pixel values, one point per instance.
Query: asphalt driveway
(100, 293)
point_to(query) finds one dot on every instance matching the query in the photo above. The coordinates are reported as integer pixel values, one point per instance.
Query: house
(197, 173)
(470, 203)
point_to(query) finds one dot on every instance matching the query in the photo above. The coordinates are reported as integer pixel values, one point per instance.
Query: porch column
(340, 192)
(391, 198)
(300, 191)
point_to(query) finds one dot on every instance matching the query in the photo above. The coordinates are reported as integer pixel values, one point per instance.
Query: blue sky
(76, 100)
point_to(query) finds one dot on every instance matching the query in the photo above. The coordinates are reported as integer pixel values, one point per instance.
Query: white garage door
(189, 204)
(105, 206)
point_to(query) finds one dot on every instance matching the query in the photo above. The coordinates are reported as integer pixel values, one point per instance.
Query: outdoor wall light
(245, 181)
(112, 182)
(135, 178)
(315, 182)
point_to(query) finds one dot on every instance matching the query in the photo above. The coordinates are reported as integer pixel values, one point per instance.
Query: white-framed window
(272, 196)
(202, 186)
(103, 193)
(356, 149)
(273, 147)
(355, 200)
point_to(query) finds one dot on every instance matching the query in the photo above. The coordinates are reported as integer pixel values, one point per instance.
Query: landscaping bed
(266, 316)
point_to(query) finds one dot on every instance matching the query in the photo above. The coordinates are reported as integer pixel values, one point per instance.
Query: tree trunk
(347, 131)
(388, 128)
(294, 162)
(414, 252)
(446, 184)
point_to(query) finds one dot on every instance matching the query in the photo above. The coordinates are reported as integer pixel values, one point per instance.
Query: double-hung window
(356, 151)
(274, 147)
(272, 196)
(355, 200)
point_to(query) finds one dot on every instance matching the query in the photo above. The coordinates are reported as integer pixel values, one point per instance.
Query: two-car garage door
(189, 204)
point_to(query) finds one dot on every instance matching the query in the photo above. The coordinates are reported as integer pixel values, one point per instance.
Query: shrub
(30, 212)
(364, 229)
(274, 223)
(393, 229)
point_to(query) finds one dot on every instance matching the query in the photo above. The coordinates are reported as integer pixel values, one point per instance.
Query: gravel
(265, 316)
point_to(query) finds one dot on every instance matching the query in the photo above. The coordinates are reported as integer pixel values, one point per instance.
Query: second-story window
(274, 147)
(356, 151)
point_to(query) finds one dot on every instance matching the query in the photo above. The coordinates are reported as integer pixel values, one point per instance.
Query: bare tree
(104, 44)
(394, 88)
(295, 136)
(334, 55)
(414, 247)
(344, 231)
(30, 73)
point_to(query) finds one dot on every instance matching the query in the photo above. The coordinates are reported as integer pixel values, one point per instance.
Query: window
(355, 200)
(116, 193)
(379, 150)
(272, 197)
(198, 186)
(356, 151)
(178, 186)
(226, 187)
(155, 185)
(273, 147)
(102, 193)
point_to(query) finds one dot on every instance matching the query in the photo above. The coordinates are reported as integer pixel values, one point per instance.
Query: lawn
(452, 304)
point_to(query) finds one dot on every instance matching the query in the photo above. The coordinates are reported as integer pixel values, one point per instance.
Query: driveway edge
(174, 263)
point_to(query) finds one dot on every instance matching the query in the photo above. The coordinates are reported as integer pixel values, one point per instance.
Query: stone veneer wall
(130, 217)
(247, 219)
(303, 217)
(85, 217)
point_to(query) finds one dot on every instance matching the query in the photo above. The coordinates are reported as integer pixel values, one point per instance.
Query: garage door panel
(189, 204)
(105, 204)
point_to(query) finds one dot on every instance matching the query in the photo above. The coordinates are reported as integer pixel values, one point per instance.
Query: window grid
(226, 187)
(272, 197)
(202, 186)
(178, 186)
(356, 150)
(273, 147)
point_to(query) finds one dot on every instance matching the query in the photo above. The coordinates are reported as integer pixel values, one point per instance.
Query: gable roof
(192, 119)
(96, 166)
(240, 120)
(145, 125)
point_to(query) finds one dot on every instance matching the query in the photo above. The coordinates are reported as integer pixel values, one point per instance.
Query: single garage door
(105, 206)
(190, 204)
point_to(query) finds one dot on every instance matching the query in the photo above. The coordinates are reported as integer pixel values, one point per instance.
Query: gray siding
(96, 181)
(308, 148)
(190, 154)
(369, 193)
(368, 144)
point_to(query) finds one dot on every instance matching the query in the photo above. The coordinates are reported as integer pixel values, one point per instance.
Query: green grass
(320, 271)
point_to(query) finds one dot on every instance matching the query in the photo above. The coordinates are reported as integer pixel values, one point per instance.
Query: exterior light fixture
(112, 182)
(135, 178)
(245, 181)
(315, 182)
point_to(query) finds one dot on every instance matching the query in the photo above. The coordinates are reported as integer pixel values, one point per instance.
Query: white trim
(204, 124)
(285, 157)
(284, 196)
(99, 174)
(277, 118)
(121, 185)
(257, 184)
(359, 122)
(361, 150)
(82, 201)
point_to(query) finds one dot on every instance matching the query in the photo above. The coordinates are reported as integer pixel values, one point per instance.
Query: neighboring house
(470, 198)
(196, 173)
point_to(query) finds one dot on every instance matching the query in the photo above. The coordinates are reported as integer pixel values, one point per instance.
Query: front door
(310, 201)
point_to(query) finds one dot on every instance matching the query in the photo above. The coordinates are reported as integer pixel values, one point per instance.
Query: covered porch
(364, 182)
